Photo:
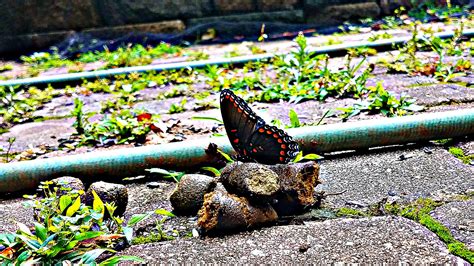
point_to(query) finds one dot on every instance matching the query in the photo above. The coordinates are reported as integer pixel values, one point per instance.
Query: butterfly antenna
(322, 195)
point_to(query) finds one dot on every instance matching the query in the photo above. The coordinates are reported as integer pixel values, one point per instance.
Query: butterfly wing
(251, 137)
(239, 120)
(271, 145)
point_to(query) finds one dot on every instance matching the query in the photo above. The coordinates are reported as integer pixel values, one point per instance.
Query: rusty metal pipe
(129, 162)
(71, 77)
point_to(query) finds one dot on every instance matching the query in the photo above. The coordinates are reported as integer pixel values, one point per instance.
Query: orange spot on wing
(233, 130)
(254, 150)
(227, 96)
(269, 132)
(280, 141)
(282, 159)
(236, 141)
(282, 153)
(261, 130)
(283, 146)
(275, 135)
(231, 99)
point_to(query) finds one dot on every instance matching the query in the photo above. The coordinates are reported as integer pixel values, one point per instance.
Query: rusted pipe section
(129, 162)
(385, 131)
(72, 77)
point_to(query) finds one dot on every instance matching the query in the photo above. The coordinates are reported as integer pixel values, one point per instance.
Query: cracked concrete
(378, 239)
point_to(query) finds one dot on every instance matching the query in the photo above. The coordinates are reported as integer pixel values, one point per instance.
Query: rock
(68, 183)
(19, 17)
(224, 6)
(127, 12)
(325, 13)
(188, 196)
(252, 180)
(297, 185)
(109, 192)
(271, 5)
(288, 16)
(170, 26)
(223, 212)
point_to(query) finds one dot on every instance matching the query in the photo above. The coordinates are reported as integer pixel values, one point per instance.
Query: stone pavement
(378, 239)
(395, 174)
(367, 178)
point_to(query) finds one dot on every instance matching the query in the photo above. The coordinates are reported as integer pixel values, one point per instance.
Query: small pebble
(303, 248)
(153, 185)
(257, 253)
(428, 150)
(356, 203)
(406, 156)
(195, 232)
(392, 193)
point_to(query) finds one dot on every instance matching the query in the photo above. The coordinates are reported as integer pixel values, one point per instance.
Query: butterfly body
(251, 137)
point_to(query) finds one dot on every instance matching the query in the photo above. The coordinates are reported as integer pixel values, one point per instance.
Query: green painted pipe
(203, 63)
(116, 164)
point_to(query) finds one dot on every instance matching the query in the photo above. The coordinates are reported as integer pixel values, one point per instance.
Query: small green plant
(66, 231)
(10, 141)
(99, 85)
(78, 114)
(17, 105)
(407, 60)
(6, 67)
(294, 119)
(459, 153)
(130, 55)
(117, 127)
(178, 108)
(381, 101)
(194, 55)
(158, 234)
(212, 170)
(310, 156)
(263, 36)
(167, 174)
(380, 36)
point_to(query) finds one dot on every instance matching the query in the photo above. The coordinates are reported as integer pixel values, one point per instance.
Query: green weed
(459, 153)
(66, 230)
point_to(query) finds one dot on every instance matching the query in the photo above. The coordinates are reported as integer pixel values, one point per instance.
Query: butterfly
(251, 137)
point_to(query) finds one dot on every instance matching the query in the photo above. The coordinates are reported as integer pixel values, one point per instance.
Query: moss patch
(443, 141)
(348, 212)
(152, 237)
(419, 211)
(459, 153)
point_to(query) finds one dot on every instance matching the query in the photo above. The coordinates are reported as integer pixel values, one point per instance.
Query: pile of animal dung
(246, 195)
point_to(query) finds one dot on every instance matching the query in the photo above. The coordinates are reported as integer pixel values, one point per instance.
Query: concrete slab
(459, 218)
(11, 211)
(36, 133)
(438, 94)
(407, 173)
(379, 239)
